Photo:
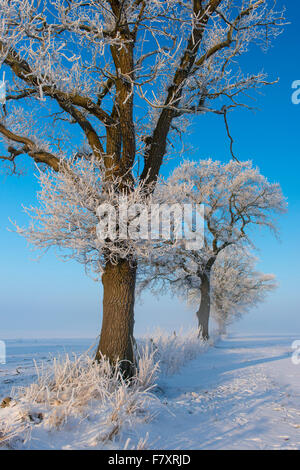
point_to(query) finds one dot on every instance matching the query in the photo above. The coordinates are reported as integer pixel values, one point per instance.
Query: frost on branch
(68, 215)
(237, 200)
(84, 62)
(236, 285)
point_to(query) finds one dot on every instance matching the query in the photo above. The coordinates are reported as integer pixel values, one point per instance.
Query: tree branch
(30, 148)
(155, 152)
(22, 70)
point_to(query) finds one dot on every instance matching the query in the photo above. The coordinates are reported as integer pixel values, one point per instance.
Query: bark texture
(116, 340)
(204, 309)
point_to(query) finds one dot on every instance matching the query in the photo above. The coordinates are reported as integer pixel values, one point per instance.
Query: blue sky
(51, 298)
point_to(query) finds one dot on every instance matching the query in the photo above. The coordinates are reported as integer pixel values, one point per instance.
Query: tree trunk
(116, 339)
(204, 309)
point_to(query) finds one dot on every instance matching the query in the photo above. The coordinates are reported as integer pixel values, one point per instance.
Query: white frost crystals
(144, 221)
(75, 402)
(98, 220)
(3, 90)
(67, 216)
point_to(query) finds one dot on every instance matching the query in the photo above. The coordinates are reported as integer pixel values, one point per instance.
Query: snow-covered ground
(243, 393)
(22, 354)
(240, 393)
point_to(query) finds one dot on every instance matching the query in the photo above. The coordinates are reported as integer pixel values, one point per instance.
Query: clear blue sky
(50, 298)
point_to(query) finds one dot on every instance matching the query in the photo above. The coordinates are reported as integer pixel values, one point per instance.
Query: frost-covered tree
(236, 286)
(117, 80)
(69, 219)
(237, 201)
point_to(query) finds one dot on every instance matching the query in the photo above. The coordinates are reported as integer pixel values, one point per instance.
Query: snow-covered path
(243, 393)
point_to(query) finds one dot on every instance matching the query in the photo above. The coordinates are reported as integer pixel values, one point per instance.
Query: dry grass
(174, 350)
(74, 392)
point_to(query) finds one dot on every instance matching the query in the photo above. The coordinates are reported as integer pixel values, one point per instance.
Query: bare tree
(124, 76)
(237, 198)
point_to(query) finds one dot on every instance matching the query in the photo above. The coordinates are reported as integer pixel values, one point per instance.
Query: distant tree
(236, 286)
(118, 80)
(237, 199)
